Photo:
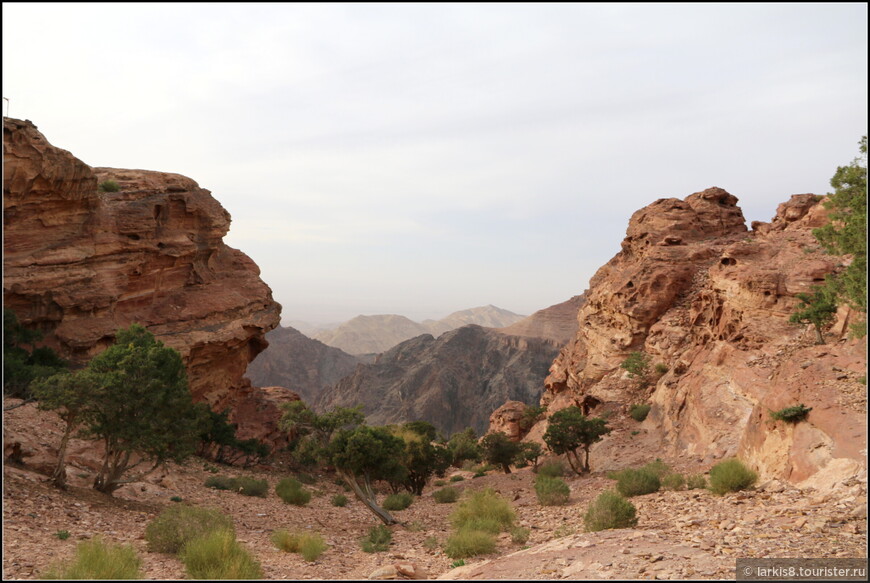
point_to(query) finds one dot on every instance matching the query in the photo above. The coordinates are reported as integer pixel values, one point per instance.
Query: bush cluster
(551, 491)
(398, 501)
(309, 545)
(339, 500)
(632, 482)
(639, 412)
(791, 414)
(477, 520)
(610, 510)
(730, 476)
(179, 524)
(673, 481)
(377, 540)
(218, 555)
(446, 495)
(95, 559)
(290, 490)
(108, 186)
(696, 481)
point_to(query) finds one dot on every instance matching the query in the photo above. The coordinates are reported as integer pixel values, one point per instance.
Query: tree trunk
(819, 338)
(369, 502)
(506, 468)
(58, 477)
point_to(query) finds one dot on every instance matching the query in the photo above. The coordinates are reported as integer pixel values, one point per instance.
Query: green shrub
(446, 495)
(243, 485)
(218, 555)
(439, 483)
(673, 481)
(469, 543)
(179, 524)
(459, 563)
(456, 478)
(176, 499)
(520, 535)
(377, 540)
(220, 483)
(791, 414)
(487, 505)
(290, 490)
(730, 476)
(109, 186)
(696, 481)
(552, 469)
(285, 540)
(551, 491)
(398, 501)
(252, 487)
(610, 510)
(479, 474)
(637, 482)
(657, 468)
(62, 534)
(95, 559)
(311, 546)
(661, 368)
(483, 524)
(339, 500)
(639, 412)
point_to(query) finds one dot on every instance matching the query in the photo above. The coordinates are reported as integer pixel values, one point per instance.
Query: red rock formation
(710, 302)
(506, 419)
(80, 264)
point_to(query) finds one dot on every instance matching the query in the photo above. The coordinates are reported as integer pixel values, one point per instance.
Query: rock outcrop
(302, 364)
(709, 302)
(80, 264)
(453, 382)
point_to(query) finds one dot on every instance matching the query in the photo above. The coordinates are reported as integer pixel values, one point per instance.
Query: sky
(419, 159)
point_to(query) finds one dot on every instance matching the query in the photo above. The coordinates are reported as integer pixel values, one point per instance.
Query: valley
(701, 303)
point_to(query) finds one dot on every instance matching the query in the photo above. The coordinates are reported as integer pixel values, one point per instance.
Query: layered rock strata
(79, 264)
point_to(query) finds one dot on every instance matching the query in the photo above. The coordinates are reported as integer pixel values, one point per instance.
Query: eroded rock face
(453, 381)
(709, 302)
(80, 264)
(300, 363)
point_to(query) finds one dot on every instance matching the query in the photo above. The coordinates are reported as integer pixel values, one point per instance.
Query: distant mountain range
(453, 382)
(376, 334)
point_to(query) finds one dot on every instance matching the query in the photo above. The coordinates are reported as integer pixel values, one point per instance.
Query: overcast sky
(420, 159)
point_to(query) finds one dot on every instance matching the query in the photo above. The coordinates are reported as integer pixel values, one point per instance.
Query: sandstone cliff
(80, 264)
(453, 382)
(709, 302)
(304, 365)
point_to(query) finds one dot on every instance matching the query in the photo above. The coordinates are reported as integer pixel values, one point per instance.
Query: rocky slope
(687, 534)
(557, 323)
(79, 264)
(376, 334)
(453, 381)
(304, 365)
(709, 302)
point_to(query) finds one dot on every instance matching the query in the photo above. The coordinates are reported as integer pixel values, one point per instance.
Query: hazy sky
(420, 159)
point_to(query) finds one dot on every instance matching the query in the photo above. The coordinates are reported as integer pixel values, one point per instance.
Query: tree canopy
(134, 397)
(846, 234)
(570, 430)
